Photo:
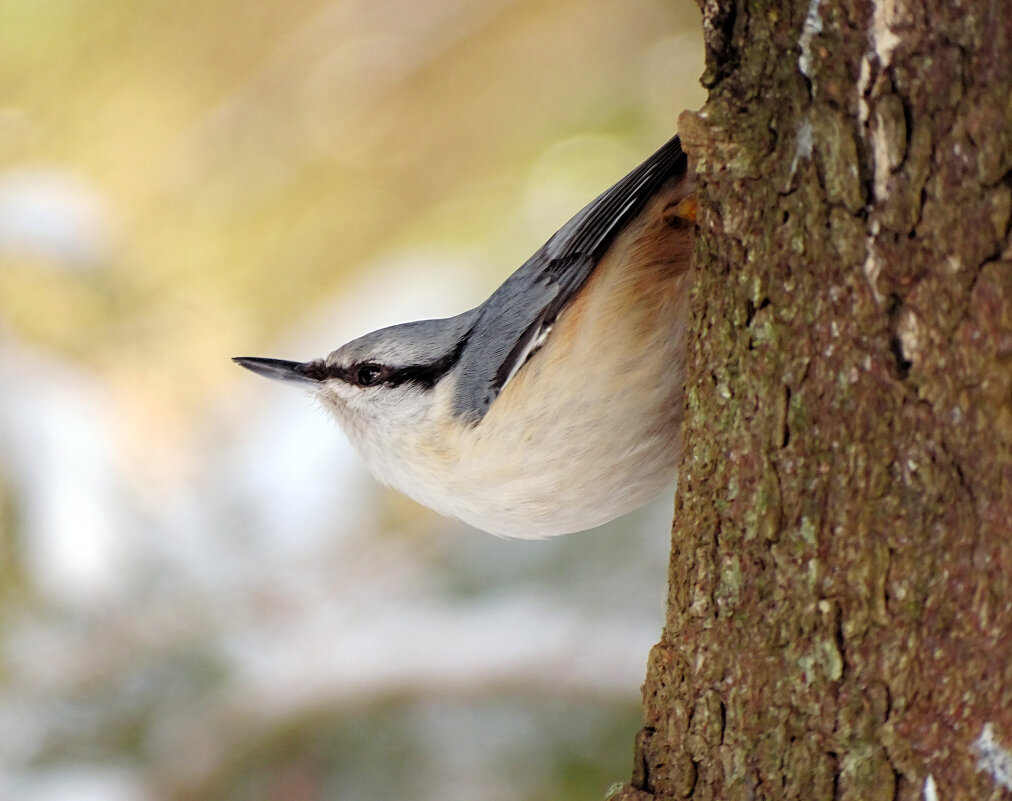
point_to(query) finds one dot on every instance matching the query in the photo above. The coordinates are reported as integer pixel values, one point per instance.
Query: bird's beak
(278, 369)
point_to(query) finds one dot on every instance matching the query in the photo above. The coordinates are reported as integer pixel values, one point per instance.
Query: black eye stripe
(425, 375)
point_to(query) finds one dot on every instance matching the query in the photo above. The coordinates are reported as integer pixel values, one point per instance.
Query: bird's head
(383, 383)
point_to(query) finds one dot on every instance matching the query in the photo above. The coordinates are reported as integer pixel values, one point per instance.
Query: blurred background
(202, 594)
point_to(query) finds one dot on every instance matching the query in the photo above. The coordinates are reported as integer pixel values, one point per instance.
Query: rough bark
(840, 603)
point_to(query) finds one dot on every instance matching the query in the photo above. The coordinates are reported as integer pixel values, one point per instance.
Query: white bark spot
(880, 153)
(802, 146)
(872, 265)
(993, 758)
(887, 16)
(884, 40)
(911, 335)
(811, 29)
(863, 82)
(930, 791)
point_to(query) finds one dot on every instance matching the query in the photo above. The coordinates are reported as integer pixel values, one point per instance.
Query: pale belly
(588, 429)
(557, 456)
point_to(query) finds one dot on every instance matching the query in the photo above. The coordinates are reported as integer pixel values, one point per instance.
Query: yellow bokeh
(182, 181)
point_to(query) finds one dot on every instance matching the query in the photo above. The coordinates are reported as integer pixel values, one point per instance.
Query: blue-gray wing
(514, 320)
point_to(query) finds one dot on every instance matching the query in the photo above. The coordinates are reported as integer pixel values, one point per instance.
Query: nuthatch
(552, 407)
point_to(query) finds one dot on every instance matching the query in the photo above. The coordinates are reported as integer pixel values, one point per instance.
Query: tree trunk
(840, 604)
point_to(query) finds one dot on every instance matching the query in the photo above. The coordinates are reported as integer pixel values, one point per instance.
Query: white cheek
(375, 420)
(342, 404)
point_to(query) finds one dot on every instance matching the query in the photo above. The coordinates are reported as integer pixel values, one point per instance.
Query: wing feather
(514, 322)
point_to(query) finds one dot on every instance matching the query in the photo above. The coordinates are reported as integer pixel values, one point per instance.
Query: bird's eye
(368, 374)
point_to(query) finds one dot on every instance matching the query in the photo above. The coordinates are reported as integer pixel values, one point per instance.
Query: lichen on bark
(840, 603)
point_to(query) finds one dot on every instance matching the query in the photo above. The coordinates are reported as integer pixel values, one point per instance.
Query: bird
(555, 405)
